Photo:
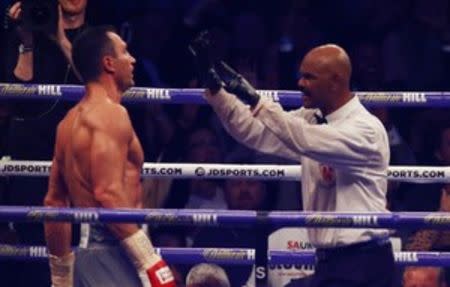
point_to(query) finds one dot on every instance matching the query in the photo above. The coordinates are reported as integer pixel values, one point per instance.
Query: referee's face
(315, 84)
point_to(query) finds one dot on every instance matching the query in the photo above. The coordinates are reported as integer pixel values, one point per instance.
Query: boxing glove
(238, 85)
(152, 269)
(200, 49)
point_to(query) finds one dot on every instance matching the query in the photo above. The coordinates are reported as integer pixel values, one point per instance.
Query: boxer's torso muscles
(76, 134)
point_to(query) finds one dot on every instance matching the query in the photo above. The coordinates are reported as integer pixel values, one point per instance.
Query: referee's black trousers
(368, 264)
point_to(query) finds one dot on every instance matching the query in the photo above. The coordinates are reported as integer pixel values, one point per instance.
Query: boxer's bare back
(98, 156)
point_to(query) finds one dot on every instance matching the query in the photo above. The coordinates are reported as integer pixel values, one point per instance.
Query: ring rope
(401, 258)
(234, 218)
(195, 96)
(415, 174)
(226, 256)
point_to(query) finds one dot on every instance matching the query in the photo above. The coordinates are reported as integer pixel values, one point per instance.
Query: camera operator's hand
(15, 15)
(61, 37)
(63, 42)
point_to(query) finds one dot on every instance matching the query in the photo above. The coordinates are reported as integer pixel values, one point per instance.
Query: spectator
(207, 275)
(367, 65)
(424, 277)
(41, 60)
(412, 53)
(201, 147)
(7, 233)
(159, 24)
(401, 154)
(36, 49)
(433, 197)
(5, 230)
(244, 194)
(431, 23)
(249, 33)
(427, 197)
(241, 194)
(293, 43)
(174, 127)
(38, 57)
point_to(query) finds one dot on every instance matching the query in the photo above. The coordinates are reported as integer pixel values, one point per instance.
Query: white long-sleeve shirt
(344, 162)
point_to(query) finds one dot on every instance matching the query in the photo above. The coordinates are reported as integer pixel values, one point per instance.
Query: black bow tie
(320, 120)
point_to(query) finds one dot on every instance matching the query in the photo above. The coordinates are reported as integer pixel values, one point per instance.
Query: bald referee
(343, 150)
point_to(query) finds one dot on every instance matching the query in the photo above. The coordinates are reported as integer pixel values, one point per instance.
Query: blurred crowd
(399, 45)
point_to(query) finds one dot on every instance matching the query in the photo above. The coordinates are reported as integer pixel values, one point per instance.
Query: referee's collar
(343, 111)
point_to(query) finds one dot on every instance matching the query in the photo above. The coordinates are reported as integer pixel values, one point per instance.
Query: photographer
(40, 33)
(44, 52)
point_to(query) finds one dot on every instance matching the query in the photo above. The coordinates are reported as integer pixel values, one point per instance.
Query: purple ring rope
(401, 258)
(195, 96)
(241, 218)
(226, 256)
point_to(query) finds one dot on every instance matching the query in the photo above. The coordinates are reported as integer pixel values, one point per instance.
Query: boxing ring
(224, 218)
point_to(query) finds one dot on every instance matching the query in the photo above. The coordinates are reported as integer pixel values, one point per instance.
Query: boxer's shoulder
(105, 115)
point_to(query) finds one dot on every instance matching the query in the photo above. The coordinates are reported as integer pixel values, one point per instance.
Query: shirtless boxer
(97, 163)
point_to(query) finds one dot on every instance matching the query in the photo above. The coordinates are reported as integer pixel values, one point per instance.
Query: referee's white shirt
(344, 162)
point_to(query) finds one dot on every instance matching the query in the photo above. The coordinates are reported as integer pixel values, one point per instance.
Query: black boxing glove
(200, 49)
(238, 85)
(213, 82)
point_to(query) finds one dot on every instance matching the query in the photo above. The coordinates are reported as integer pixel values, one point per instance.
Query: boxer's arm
(58, 235)
(109, 148)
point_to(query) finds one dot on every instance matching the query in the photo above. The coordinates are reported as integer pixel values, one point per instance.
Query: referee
(344, 154)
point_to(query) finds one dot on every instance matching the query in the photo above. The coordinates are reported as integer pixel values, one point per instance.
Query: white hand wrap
(140, 250)
(61, 269)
